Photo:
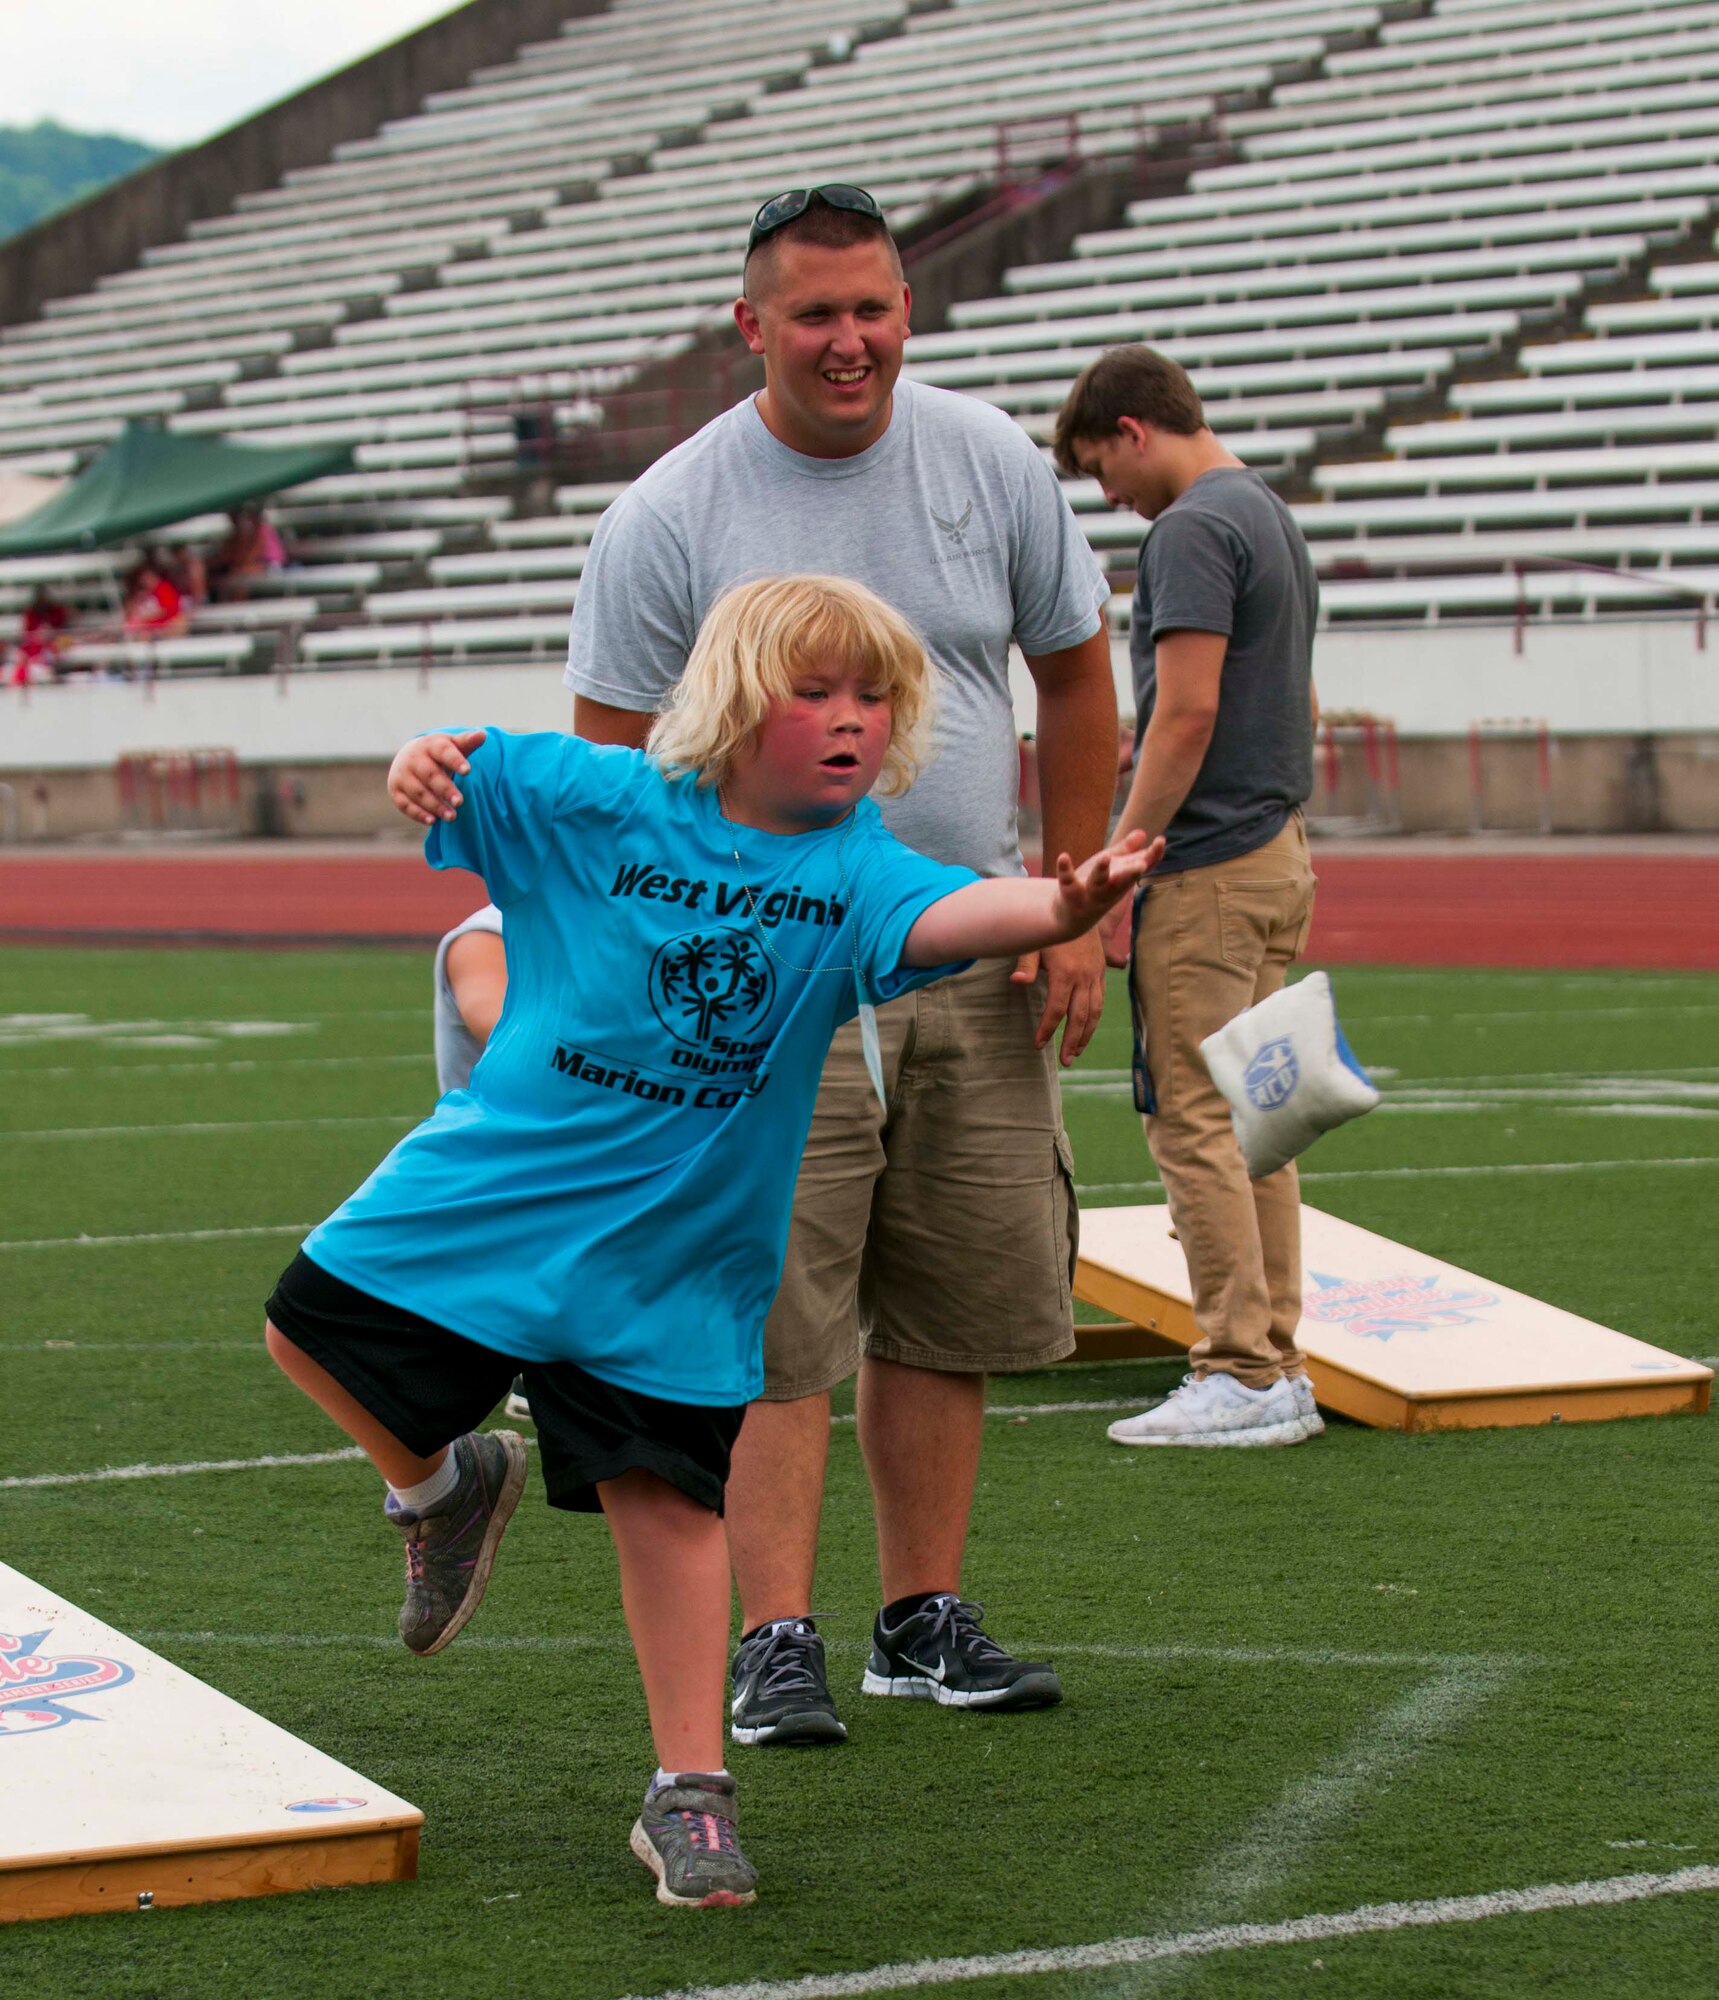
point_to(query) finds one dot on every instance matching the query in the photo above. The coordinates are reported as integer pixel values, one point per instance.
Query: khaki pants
(940, 1233)
(1212, 941)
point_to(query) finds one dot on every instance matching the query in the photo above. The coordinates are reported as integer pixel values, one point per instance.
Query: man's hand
(1076, 969)
(421, 777)
(1075, 991)
(1117, 934)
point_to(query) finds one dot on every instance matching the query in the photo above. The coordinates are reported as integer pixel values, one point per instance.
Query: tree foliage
(44, 167)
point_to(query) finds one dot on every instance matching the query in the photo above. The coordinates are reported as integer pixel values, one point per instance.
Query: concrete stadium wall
(109, 232)
(1646, 764)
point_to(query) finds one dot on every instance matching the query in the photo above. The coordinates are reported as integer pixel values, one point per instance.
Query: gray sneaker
(685, 1836)
(451, 1551)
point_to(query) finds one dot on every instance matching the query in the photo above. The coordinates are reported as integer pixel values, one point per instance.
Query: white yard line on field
(1271, 1849)
(213, 1065)
(158, 1236)
(172, 1471)
(203, 1127)
(1434, 1173)
(1370, 1920)
(1250, 1656)
(470, 1642)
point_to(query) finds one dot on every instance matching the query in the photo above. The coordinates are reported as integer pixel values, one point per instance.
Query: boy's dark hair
(1123, 382)
(826, 227)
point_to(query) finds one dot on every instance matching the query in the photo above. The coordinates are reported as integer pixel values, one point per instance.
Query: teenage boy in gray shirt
(1222, 646)
(933, 1239)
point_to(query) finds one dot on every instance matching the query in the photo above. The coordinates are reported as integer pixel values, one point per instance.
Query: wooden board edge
(1514, 1409)
(1142, 1306)
(82, 1857)
(1155, 1316)
(215, 1874)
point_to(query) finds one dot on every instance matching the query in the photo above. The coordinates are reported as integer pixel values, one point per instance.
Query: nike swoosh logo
(938, 1673)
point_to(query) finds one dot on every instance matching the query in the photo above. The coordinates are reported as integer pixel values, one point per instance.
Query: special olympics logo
(707, 983)
(1271, 1077)
(35, 1686)
(1377, 1308)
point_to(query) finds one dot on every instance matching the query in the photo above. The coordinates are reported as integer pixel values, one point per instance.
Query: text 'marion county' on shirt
(613, 1188)
(1226, 556)
(952, 516)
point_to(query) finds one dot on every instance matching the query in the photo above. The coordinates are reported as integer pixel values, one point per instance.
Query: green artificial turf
(1372, 1669)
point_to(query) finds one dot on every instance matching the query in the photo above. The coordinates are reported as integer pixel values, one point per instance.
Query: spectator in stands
(185, 569)
(933, 1240)
(251, 548)
(1222, 640)
(154, 608)
(41, 637)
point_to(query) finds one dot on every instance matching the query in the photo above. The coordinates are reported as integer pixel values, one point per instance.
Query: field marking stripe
(1255, 1867)
(1434, 1173)
(202, 1127)
(1088, 1188)
(159, 1236)
(1370, 1920)
(1246, 1656)
(107, 1472)
(210, 1066)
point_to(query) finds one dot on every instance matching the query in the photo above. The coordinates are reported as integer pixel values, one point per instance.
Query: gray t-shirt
(1226, 556)
(457, 1048)
(953, 517)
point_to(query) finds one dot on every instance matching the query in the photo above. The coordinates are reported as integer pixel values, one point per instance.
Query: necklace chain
(758, 921)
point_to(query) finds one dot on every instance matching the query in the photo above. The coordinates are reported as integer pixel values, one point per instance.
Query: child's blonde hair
(757, 638)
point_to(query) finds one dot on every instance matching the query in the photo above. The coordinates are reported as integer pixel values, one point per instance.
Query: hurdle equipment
(135, 1786)
(1393, 1338)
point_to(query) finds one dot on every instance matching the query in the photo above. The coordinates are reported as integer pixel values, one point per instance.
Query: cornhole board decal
(1394, 1338)
(132, 1785)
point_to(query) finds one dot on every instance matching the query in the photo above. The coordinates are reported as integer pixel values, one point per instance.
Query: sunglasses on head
(782, 209)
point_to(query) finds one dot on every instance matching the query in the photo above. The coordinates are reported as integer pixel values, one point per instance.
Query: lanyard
(870, 1046)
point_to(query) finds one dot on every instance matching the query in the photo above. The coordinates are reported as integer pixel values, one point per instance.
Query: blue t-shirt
(613, 1188)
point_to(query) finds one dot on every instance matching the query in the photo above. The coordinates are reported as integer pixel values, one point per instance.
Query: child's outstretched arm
(421, 777)
(1000, 919)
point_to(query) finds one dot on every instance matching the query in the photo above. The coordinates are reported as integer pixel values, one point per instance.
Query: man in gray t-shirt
(1222, 645)
(932, 1239)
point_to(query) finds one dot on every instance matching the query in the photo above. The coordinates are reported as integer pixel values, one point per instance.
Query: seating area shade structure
(150, 478)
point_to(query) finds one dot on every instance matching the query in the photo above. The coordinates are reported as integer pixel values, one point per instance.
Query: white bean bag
(1288, 1074)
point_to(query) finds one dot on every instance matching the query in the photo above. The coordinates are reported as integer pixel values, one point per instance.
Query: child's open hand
(1098, 884)
(421, 778)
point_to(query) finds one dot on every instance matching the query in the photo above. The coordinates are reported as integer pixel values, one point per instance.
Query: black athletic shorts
(430, 1386)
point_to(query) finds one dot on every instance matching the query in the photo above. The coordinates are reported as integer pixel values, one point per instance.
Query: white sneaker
(1216, 1409)
(1312, 1423)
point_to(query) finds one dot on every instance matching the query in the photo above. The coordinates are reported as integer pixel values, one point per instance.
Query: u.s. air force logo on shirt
(708, 983)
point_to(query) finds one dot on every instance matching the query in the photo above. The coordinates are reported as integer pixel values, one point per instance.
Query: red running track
(1634, 909)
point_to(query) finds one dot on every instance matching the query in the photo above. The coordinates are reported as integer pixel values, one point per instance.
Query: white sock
(427, 1492)
(674, 1777)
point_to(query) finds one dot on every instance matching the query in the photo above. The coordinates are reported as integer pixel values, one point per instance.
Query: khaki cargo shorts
(941, 1233)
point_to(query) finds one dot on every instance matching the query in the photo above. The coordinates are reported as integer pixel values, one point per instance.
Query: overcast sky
(175, 71)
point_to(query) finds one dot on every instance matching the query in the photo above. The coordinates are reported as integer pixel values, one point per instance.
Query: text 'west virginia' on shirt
(614, 1187)
(952, 516)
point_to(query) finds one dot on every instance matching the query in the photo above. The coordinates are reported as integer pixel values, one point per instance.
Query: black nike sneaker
(781, 1694)
(941, 1653)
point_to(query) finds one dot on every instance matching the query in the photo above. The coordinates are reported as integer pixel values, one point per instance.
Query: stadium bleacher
(1447, 273)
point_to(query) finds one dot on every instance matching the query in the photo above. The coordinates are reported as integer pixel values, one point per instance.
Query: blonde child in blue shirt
(604, 1209)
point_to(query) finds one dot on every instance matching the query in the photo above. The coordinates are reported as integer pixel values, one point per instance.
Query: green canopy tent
(148, 478)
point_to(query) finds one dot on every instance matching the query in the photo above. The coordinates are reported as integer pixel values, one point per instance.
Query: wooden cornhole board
(131, 1785)
(1393, 1338)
